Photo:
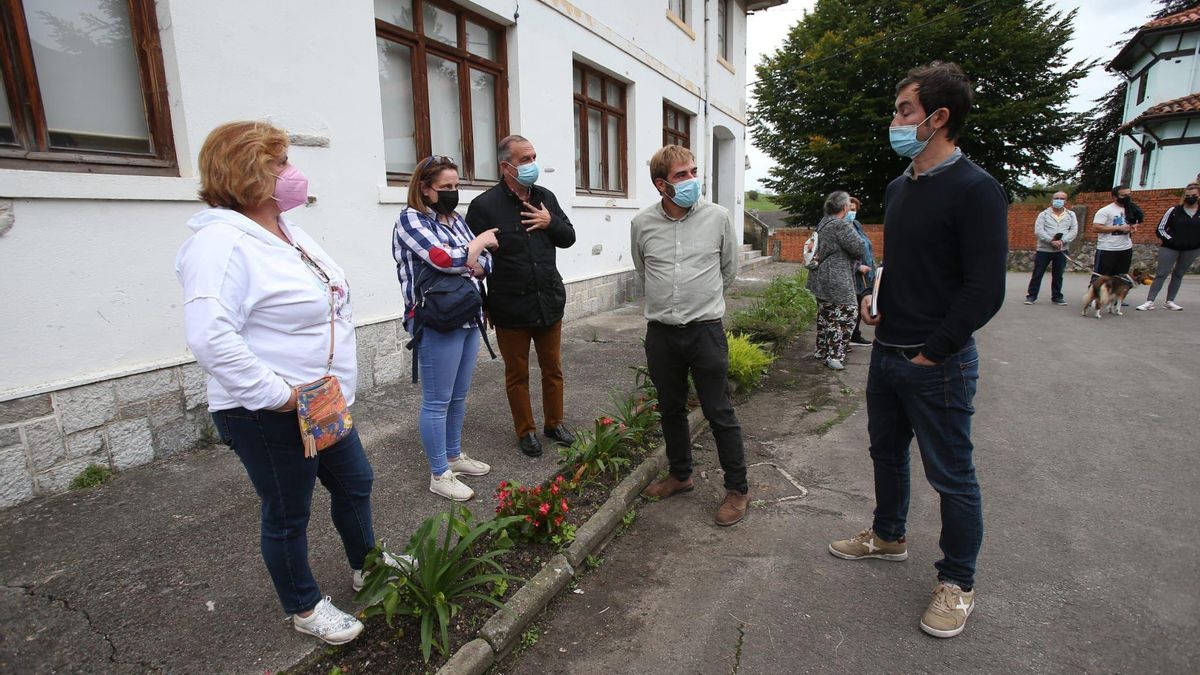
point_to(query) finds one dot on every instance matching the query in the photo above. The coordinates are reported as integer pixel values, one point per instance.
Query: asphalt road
(1086, 449)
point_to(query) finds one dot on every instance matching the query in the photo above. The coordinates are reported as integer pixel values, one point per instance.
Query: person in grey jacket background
(864, 273)
(832, 280)
(1054, 228)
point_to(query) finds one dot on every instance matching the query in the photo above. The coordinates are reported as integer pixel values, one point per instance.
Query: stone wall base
(1145, 258)
(48, 439)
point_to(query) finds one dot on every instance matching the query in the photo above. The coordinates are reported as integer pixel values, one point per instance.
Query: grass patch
(93, 475)
(785, 309)
(761, 203)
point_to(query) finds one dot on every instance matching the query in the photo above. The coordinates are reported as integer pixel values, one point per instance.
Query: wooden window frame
(1147, 152)
(1141, 90)
(1127, 161)
(423, 46)
(607, 111)
(33, 150)
(675, 135)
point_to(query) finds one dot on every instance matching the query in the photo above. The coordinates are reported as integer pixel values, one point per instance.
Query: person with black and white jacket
(1179, 231)
(832, 282)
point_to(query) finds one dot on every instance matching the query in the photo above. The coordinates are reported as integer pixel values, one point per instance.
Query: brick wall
(786, 245)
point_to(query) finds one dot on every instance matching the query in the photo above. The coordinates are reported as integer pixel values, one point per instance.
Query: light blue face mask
(904, 139)
(686, 192)
(851, 214)
(1058, 203)
(527, 174)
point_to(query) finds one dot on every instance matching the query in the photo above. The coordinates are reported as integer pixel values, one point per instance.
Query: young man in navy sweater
(946, 236)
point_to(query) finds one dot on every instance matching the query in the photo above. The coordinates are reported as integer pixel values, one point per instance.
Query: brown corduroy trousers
(514, 347)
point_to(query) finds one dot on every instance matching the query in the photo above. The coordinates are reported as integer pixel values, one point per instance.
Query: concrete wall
(88, 258)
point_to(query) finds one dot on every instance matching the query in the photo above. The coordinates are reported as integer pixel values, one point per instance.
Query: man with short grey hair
(526, 296)
(1054, 228)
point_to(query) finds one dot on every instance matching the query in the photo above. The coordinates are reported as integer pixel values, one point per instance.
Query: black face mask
(446, 202)
(1123, 201)
(1190, 200)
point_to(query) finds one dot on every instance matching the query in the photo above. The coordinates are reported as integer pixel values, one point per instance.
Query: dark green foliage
(786, 308)
(1098, 154)
(826, 124)
(93, 475)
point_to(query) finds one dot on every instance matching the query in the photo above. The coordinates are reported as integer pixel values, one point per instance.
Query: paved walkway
(160, 570)
(1086, 451)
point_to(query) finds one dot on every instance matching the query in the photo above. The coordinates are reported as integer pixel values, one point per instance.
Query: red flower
(544, 509)
(503, 484)
(537, 490)
(564, 505)
(554, 489)
(605, 421)
(528, 519)
(558, 521)
(559, 479)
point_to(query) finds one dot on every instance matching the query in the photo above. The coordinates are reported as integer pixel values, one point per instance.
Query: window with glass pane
(678, 8)
(599, 132)
(80, 88)
(456, 107)
(677, 126)
(722, 29)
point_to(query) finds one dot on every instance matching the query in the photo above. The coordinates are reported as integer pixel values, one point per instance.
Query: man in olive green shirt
(685, 251)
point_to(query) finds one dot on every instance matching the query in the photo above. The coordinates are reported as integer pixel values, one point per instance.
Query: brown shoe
(667, 487)
(732, 508)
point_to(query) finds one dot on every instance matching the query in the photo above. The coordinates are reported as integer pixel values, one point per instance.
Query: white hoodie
(256, 316)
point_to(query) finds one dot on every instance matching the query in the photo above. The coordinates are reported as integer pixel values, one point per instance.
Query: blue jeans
(269, 445)
(934, 403)
(446, 362)
(1057, 261)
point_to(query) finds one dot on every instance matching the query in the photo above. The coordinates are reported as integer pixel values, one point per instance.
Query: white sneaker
(1173, 307)
(411, 564)
(448, 486)
(1145, 306)
(328, 623)
(469, 467)
(834, 364)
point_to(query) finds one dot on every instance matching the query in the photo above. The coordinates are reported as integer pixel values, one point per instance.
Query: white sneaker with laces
(448, 486)
(1173, 307)
(328, 623)
(469, 467)
(1145, 306)
(357, 579)
(834, 364)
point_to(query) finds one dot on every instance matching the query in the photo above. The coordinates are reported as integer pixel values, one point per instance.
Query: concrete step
(747, 247)
(748, 255)
(758, 261)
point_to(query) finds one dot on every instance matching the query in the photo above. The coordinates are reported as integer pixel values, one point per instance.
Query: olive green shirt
(686, 264)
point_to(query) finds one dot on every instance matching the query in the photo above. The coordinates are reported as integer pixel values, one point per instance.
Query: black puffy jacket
(525, 289)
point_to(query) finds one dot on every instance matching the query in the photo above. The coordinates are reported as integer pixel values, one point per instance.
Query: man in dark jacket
(526, 295)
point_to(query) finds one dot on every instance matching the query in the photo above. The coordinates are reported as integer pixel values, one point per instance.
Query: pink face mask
(291, 189)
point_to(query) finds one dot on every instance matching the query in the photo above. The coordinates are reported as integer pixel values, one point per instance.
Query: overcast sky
(1098, 25)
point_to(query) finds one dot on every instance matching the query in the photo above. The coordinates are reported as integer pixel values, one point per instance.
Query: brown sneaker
(866, 545)
(946, 615)
(667, 487)
(732, 508)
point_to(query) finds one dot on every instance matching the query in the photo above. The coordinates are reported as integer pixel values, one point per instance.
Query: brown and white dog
(1109, 292)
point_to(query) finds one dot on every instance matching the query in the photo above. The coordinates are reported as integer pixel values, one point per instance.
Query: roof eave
(1125, 58)
(759, 5)
(1142, 120)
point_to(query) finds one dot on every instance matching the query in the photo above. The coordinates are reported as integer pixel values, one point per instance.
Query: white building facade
(1159, 146)
(104, 106)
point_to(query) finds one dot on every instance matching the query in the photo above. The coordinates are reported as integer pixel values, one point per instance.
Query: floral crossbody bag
(320, 406)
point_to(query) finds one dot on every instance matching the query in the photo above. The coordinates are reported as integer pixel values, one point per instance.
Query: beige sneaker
(469, 467)
(946, 615)
(449, 487)
(866, 545)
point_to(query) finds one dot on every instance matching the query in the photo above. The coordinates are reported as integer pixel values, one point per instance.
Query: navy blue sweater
(945, 243)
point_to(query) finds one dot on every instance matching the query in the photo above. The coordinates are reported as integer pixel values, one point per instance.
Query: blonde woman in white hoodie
(257, 311)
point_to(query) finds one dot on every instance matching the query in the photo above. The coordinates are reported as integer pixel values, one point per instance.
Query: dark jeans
(1057, 261)
(269, 445)
(671, 353)
(1113, 263)
(934, 403)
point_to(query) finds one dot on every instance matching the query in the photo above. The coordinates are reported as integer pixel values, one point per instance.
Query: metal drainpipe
(708, 159)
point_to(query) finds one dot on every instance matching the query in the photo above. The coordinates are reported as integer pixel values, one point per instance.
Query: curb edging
(502, 631)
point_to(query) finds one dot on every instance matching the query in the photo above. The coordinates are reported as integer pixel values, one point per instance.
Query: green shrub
(637, 414)
(444, 572)
(541, 510)
(93, 475)
(747, 361)
(596, 451)
(786, 308)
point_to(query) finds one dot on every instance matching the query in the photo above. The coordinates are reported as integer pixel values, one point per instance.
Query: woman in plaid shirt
(430, 234)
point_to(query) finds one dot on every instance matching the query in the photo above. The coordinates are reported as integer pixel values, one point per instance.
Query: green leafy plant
(596, 451)
(530, 637)
(593, 562)
(785, 308)
(642, 384)
(445, 570)
(566, 536)
(628, 518)
(540, 512)
(93, 475)
(637, 415)
(747, 361)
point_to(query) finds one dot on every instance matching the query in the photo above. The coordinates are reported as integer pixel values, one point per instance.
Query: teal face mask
(904, 139)
(686, 192)
(850, 215)
(1058, 203)
(527, 174)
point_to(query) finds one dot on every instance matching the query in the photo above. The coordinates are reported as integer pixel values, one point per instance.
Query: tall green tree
(1097, 158)
(1169, 7)
(826, 97)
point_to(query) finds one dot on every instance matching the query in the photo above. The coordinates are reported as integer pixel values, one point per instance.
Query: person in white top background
(258, 298)
(1114, 223)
